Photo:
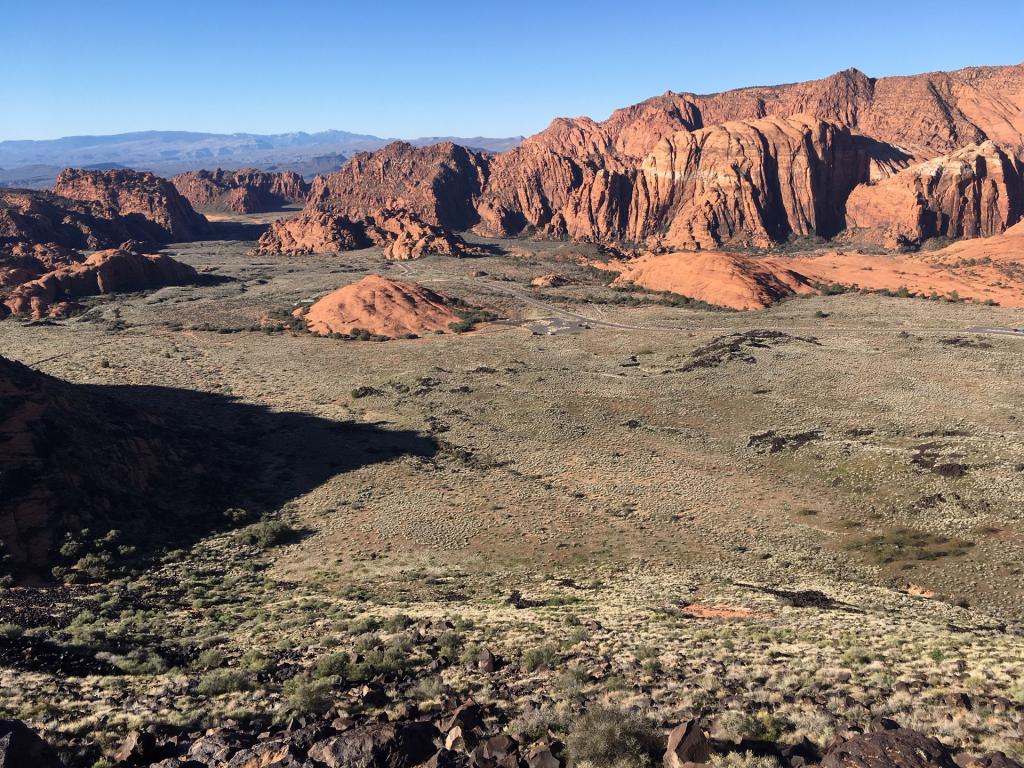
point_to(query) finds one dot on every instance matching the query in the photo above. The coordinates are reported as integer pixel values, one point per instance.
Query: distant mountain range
(28, 163)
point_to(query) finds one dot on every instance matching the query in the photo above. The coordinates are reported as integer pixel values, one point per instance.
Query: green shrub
(306, 696)
(610, 738)
(221, 681)
(210, 659)
(541, 656)
(333, 665)
(267, 533)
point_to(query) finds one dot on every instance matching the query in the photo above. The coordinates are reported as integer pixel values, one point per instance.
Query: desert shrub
(429, 688)
(236, 515)
(333, 665)
(306, 696)
(10, 631)
(210, 659)
(450, 645)
(396, 623)
(223, 681)
(380, 661)
(140, 661)
(765, 725)
(743, 760)
(363, 625)
(541, 656)
(610, 738)
(267, 533)
(469, 317)
(537, 723)
(572, 680)
(254, 661)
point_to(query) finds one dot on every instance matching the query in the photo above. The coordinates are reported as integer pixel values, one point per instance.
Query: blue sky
(410, 69)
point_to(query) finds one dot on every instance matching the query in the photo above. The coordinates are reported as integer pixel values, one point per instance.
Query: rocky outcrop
(312, 232)
(22, 262)
(976, 191)
(243, 191)
(714, 277)
(686, 746)
(35, 217)
(450, 739)
(114, 271)
(381, 307)
(438, 183)
(134, 194)
(553, 280)
(401, 234)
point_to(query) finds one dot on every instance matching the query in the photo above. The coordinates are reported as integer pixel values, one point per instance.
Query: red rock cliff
(127, 193)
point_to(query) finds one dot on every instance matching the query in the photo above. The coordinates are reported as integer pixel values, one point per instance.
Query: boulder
(686, 745)
(716, 277)
(486, 661)
(500, 751)
(988, 760)
(543, 755)
(894, 748)
(550, 281)
(378, 745)
(22, 262)
(312, 232)
(403, 235)
(138, 748)
(21, 747)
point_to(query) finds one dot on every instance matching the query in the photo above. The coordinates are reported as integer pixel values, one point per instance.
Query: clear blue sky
(431, 68)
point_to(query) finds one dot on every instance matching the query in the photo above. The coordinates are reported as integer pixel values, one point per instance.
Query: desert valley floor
(787, 520)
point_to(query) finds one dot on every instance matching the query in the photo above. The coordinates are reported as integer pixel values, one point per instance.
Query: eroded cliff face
(753, 183)
(928, 114)
(437, 183)
(977, 191)
(244, 191)
(125, 194)
(34, 217)
(750, 167)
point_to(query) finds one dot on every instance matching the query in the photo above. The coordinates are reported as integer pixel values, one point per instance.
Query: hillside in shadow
(94, 476)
